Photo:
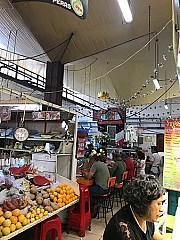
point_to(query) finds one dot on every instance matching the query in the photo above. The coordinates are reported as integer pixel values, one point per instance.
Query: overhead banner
(78, 7)
(171, 173)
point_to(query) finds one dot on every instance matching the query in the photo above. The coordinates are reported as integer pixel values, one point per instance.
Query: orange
(21, 218)
(51, 196)
(55, 193)
(55, 199)
(1, 220)
(58, 189)
(7, 223)
(7, 214)
(18, 225)
(48, 190)
(59, 200)
(71, 191)
(61, 192)
(67, 197)
(60, 204)
(6, 231)
(64, 199)
(12, 227)
(13, 219)
(1, 213)
(16, 212)
(25, 222)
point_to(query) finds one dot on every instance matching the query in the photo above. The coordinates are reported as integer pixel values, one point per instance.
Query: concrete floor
(97, 229)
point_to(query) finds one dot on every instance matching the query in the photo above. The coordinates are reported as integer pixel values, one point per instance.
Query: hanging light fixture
(156, 70)
(165, 105)
(103, 95)
(125, 9)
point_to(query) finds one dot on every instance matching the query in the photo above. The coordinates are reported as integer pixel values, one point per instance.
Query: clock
(21, 134)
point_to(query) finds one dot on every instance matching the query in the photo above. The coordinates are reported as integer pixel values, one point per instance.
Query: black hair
(154, 149)
(141, 191)
(141, 155)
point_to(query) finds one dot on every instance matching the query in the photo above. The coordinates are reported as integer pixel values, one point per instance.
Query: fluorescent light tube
(126, 11)
(156, 83)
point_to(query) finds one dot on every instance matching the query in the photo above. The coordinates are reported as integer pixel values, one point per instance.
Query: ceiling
(100, 53)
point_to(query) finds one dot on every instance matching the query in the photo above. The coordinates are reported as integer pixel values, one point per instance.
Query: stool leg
(82, 233)
(53, 234)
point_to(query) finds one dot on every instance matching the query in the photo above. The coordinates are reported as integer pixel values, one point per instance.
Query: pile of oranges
(11, 221)
(62, 194)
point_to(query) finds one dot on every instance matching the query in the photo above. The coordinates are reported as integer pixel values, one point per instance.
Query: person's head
(124, 155)
(154, 149)
(117, 157)
(104, 145)
(90, 146)
(96, 156)
(140, 155)
(145, 195)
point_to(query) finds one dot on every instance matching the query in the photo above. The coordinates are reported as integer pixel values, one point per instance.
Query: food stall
(46, 184)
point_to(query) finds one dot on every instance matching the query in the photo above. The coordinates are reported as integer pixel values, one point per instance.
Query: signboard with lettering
(81, 147)
(171, 173)
(46, 115)
(78, 7)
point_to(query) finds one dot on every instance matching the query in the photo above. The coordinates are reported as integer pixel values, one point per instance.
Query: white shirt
(156, 162)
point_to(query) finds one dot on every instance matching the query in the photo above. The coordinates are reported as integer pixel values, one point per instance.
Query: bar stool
(79, 217)
(105, 200)
(119, 188)
(53, 225)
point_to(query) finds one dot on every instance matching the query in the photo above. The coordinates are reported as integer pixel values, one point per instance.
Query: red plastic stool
(79, 214)
(53, 225)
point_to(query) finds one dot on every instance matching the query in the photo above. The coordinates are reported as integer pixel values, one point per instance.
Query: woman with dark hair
(135, 221)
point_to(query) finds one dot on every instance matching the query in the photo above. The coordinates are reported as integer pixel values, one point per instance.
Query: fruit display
(34, 203)
(12, 203)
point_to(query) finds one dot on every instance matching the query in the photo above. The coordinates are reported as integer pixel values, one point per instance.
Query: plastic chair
(105, 200)
(119, 188)
(53, 225)
(79, 214)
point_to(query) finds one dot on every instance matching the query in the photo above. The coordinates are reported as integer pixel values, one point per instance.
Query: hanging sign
(171, 173)
(78, 7)
(81, 147)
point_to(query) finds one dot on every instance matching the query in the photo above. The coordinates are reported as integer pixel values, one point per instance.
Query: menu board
(171, 173)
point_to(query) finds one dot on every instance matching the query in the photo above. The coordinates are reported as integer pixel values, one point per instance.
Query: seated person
(100, 172)
(129, 165)
(135, 221)
(118, 167)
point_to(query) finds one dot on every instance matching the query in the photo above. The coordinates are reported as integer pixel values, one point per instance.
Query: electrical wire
(41, 54)
(134, 114)
(134, 54)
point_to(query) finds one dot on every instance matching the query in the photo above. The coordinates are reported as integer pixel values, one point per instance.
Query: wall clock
(21, 134)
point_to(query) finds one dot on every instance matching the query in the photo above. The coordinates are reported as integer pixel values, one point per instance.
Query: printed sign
(46, 115)
(171, 173)
(81, 147)
(78, 7)
(5, 114)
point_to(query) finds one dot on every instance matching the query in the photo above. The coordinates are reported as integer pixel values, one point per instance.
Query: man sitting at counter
(118, 167)
(100, 172)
